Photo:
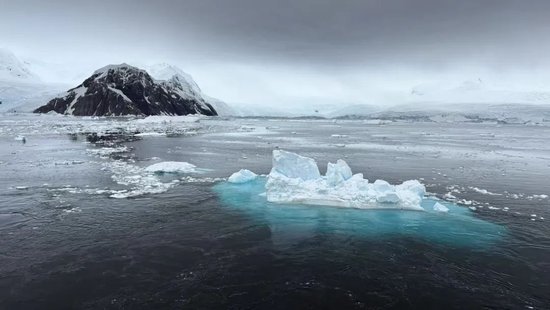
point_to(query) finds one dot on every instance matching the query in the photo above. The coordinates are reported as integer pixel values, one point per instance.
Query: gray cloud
(300, 37)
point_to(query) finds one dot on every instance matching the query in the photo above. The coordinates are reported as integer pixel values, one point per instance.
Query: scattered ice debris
(139, 180)
(440, 208)
(190, 179)
(21, 138)
(247, 128)
(296, 179)
(150, 134)
(528, 197)
(172, 167)
(165, 119)
(449, 196)
(242, 176)
(107, 151)
(129, 125)
(472, 208)
(68, 162)
(483, 191)
(465, 202)
(72, 210)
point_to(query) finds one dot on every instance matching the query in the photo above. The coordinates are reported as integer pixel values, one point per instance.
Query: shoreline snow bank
(296, 179)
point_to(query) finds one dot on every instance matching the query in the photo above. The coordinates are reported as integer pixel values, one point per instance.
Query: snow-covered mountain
(188, 87)
(127, 90)
(21, 90)
(14, 70)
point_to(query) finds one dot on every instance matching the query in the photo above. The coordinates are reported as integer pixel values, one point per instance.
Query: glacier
(296, 179)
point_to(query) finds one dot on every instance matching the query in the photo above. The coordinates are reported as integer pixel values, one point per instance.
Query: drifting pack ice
(295, 179)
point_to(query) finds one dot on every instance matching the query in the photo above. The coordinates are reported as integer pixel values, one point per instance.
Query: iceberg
(440, 208)
(283, 201)
(290, 223)
(295, 179)
(172, 167)
(242, 176)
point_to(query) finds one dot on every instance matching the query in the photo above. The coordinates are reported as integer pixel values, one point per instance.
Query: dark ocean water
(204, 244)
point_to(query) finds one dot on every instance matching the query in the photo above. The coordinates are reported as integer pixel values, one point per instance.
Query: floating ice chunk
(107, 151)
(172, 167)
(294, 166)
(150, 134)
(242, 176)
(440, 208)
(296, 179)
(483, 191)
(21, 138)
(338, 173)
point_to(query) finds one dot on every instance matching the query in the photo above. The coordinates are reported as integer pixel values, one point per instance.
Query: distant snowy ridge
(187, 86)
(123, 89)
(475, 91)
(13, 69)
(21, 90)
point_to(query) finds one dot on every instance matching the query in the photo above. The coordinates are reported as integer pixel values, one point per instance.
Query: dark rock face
(126, 90)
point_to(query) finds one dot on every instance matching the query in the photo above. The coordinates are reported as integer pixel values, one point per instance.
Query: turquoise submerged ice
(384, 218)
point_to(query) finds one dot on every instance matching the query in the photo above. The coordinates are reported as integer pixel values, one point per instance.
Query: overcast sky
(265, 52)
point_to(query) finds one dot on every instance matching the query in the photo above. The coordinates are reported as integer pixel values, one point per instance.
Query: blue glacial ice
(296, 207)
(242, 176)
(295, 179)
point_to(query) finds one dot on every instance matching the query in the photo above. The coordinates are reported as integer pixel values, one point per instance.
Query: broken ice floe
(172, 167)
(440, 208)
(242, 176)
(105, 152)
